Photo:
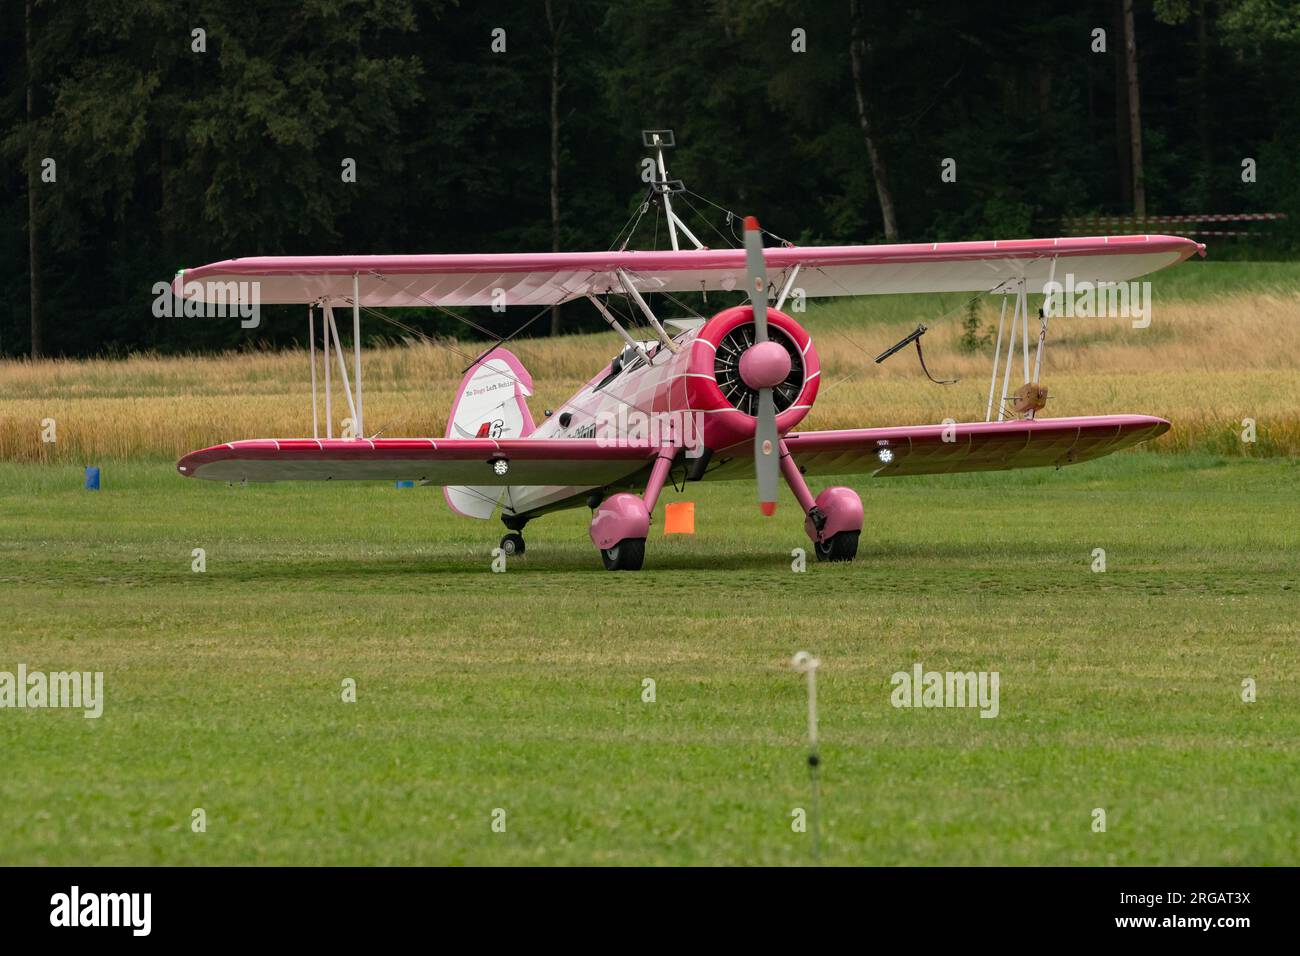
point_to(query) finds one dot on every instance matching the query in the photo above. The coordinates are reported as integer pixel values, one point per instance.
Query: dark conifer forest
(142, 136)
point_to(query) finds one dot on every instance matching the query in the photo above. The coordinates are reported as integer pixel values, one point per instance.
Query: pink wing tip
(751, 223)
(768, 508)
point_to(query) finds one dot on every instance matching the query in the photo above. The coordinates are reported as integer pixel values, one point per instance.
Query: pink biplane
(716, 398)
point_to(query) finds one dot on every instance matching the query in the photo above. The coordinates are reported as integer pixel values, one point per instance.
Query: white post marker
(805, 662)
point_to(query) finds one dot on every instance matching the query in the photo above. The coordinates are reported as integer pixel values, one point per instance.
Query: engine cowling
(717, 385)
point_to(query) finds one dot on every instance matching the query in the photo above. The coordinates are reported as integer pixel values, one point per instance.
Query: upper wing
(944, 449)
(444, 461)
(553, 277)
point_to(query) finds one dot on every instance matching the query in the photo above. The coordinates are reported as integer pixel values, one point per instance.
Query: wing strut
(997, 351)
(616, 325)
(1042, 324)
(343, 365)
(356, 352)
(1020, 313)
(329, 403)
(311, 339)
(626, 281)
(789, 284)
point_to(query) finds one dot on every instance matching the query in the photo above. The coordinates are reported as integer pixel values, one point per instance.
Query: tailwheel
(627, 555)
(842, 546)
(512, 545)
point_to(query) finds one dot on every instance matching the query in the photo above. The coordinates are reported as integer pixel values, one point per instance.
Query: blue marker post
(92, 478)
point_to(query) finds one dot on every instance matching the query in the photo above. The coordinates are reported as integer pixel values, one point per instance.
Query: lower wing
(946, 449)
(442, 461)
(881, 452)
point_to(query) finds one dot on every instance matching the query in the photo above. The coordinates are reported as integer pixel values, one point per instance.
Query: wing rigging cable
(499, 341)
(1000, 287)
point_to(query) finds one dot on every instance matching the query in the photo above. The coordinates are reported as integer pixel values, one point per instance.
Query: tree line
(142, 136)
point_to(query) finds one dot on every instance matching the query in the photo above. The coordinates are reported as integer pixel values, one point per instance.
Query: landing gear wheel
(838, 547)
(513, 545)
(627, 555)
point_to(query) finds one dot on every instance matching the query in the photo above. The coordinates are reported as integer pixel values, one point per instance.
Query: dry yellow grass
(1206, 365)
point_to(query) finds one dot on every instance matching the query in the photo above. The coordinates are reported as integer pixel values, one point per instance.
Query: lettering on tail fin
(492, 402)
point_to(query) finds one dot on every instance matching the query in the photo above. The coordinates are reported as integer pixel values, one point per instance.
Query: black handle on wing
(901, 344)
(915, 337)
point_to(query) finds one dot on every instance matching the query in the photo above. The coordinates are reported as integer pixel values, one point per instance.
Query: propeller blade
(767, 443)
(757, 277)
(767, 452)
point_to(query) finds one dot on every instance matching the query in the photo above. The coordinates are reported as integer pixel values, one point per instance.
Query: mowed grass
(523, 690)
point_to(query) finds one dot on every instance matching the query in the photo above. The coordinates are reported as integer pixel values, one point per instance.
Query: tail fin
(492, 402)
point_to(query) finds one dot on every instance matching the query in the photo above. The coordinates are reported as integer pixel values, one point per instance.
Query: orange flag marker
(679, 517)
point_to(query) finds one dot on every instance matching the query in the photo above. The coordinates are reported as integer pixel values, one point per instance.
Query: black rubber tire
(513, 545)
(838, 547)
(627, 555)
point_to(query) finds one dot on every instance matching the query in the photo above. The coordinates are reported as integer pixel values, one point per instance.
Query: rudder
(492, 402)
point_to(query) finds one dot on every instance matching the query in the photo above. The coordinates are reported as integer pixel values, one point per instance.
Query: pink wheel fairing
(618, 517)
(843, 510)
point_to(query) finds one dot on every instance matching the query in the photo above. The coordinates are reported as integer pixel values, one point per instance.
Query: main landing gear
(834, 517)
(842, 546)
(619, 527)
(627, 555)
(621, 522)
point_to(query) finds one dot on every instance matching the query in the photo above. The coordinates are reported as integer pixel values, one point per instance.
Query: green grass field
(523, 690)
